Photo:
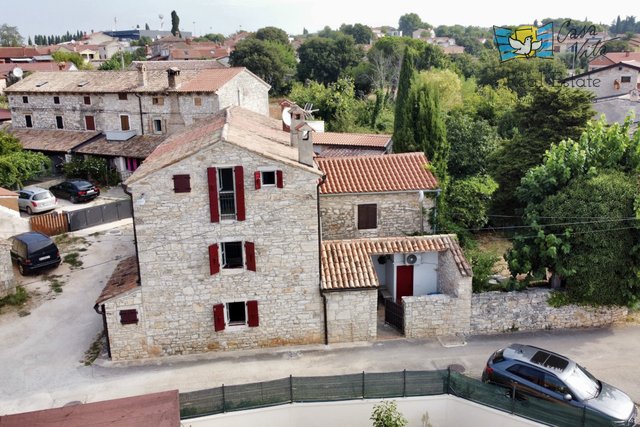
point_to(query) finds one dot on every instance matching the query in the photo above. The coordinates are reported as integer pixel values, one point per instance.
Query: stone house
(376, 196)
(128, 104)
(610, 58)
(609, 81)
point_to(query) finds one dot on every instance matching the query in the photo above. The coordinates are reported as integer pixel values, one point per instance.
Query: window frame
(25, 99)
(157, 100)
(155, 129)
(365, 223)
(236, 323)
(223, 255)
(28, 120)
(122, 116)
(59, 122)
(197, 101)
(86, 99)
(93, 121)
(625, 79)
(129, 316)
(227, 193)
(56, 100)
(122, 97)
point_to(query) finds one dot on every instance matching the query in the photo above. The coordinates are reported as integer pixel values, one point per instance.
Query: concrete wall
(398, 214)
(174, 232)
(7, 279)
(602, 82)
(528, 310)
(439, 411)
(11, 223)
(352, 315)
(245, 91)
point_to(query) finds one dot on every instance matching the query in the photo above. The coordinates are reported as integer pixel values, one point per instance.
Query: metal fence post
(448, 382)
(363, 384)
(291, 388)
(224, 404)
(584, 415)
(513, 399)
(404, 383)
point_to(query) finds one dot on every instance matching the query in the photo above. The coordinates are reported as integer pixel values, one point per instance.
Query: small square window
(122, 96)
(56, 100)
(236, 313)
(157, 125)
(182, 183)
(232, 255)
(87, 100)
(59, 122)
(268, 177)
(124, 123)
(157, 100)
(625, 79)
(25, 99)
(367, 216)
(128, 317)
(28, 121)
(197, 101)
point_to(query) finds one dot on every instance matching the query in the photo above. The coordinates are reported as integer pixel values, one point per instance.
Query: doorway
(404, 282)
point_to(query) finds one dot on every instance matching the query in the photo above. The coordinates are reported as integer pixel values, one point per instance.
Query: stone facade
(247, 91)
(174, 233)
(352, 315)
(7, 279)
(446, 313)
(614, 81)
(495, 312)
(127, 341)
(398, 214)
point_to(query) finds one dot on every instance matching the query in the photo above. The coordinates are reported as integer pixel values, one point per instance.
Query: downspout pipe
(324, 297)
(135, 235)
(141, 127)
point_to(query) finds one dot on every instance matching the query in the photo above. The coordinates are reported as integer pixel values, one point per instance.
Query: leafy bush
(482, 265)
(558, 299)
(93, 169)
(386, 414)
(19, 297)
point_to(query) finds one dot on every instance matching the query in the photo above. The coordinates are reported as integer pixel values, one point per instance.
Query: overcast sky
(228, 16)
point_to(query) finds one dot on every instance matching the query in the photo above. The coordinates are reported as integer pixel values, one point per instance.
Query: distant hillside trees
(43, 40)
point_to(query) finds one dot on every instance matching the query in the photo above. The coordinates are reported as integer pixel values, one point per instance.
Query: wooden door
(404, 282)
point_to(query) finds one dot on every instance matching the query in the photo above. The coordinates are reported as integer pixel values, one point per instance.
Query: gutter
(135, 235)
(324, 298)
(142, 132)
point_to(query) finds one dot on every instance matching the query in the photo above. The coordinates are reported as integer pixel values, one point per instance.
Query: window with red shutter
(128, 317)
(218, 317)
(214, 260)
(239, 178)
(279, 179)
(182, 183)
(256, 178)
(252, 314)
(250, 254)
(212, 178)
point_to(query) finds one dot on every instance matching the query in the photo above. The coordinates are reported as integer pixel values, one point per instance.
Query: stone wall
(447, 313)
(126, 341)
(601, 83)
(494, 312)
(174, 233)
(398, 214)
(247, 91)
(352, 315)
(7, 279)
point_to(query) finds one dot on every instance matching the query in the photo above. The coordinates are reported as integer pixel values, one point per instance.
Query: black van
(34, 251)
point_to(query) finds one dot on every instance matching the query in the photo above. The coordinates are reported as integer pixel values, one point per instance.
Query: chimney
(62, 66)
(297, 119)
(142, 75)
(173, 73)
(626, 54)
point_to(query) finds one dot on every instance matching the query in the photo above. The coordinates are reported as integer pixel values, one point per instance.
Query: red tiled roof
(614, 58)
(374, 174)
(210, 80)
(5, 115)
(350, 152)
(7, 193)
(139, 146)
(124, 278)
(351, 139)
(347, 264)
(5, 69)
(51, 140)
(157, 410)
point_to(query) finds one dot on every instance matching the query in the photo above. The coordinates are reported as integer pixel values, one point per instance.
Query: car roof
(34, 190)
(33, 238)
(541, 358)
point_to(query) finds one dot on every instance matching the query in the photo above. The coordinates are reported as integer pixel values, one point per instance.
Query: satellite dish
(286, 116)
(18, 72)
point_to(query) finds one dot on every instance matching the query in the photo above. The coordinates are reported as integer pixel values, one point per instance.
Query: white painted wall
(425, 274)
(11, 223)
(443, 411)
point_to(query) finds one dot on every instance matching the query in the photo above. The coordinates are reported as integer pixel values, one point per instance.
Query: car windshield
(43, 195)
(582, 383)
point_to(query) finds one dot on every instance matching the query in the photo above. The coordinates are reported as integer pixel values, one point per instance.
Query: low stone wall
(435, 315)
(7, 279)
(351, 315)
(494, 312)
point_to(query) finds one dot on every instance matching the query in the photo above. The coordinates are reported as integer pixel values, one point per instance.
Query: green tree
(273, 34)
(409, 22)
(73, 57)
(122, 60)
(272, 61)
(428, 126)
(403, 137)
(17, 165)
(386, 414)
(468, 201)
(10, 36)
(175, 24)
(472, 143)
(362, 34)
(448, 85)
(146, 27)
(212, 37)
(324, 59)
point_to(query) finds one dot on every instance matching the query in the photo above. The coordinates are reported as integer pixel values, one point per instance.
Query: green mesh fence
(320, 389)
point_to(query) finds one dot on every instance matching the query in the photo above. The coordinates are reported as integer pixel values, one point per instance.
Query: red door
(404, 282)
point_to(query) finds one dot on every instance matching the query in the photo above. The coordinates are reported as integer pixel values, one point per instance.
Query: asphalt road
(40, 354)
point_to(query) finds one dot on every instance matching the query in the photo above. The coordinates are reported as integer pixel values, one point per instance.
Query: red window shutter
(212, 177)
(214, 261)
(181, 183)
(250, 254)
(128, 317)
(218, 317)
(252, 311)
(238, 172)
(257, 178)
(279, 179)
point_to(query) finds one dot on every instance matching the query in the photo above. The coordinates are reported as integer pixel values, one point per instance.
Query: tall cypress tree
(429, 128)
(403, 138)
(175, 24)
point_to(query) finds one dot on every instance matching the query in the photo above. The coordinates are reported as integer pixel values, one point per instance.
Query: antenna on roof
(308, 110)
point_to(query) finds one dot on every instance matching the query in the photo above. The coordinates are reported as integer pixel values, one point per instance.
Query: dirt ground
(498, 244)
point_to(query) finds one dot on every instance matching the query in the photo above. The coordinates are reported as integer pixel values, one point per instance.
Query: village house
(127, 107)
(227, 219)
(611, 58)
(609, 81)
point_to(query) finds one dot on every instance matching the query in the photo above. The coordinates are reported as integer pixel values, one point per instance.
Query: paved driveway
(40, 354)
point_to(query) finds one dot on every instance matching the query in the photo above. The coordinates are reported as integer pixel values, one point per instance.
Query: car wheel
(21, 269)
(73, 199)
(29, 211)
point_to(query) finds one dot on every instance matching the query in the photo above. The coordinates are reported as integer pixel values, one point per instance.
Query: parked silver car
(36, 199)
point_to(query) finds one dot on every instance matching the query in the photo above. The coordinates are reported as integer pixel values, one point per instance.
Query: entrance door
(404, 282)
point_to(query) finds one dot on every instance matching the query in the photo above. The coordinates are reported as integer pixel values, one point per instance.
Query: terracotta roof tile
(5, 115)
(6, 193)
(124, 278)
(5, 69)
(350, 152)
(139, 146)
(373, 174)
(210, 80)
(351, 139)
(181, 65)
(347, 264)
(52, 140)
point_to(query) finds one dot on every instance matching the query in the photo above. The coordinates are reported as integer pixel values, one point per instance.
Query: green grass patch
(94, 351)
(73, 259)
(55, 284)
(18, 298)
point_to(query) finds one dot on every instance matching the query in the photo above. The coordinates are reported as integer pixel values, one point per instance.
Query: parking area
(107, 195)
